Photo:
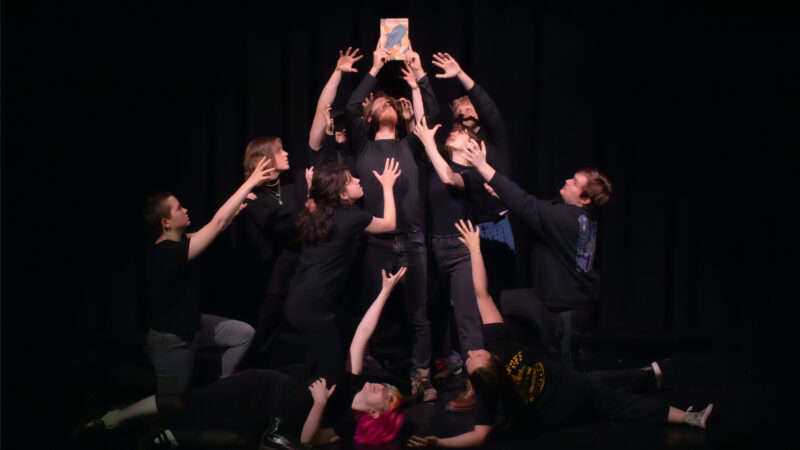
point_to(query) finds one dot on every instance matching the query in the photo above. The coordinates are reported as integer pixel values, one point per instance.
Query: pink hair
(378, 430)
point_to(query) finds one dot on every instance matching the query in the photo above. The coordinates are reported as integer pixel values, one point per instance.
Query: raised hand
(320, 392)
(409, 76)
(380, 56)
(475, 154)
(309, 177)
(346, 60)
(391, 171)
(427, 441)
(390, 281)
(406, 108)
(262, 172)
(446, 62)
(469, 236)
(424, 133)
(414, 62)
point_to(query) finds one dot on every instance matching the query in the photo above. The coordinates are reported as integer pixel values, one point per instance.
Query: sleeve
(536, 213)
(489, 116)
(355, 124)
(357, 221)
(428, 98)
(495, 335)
(172, 256)
(493, 125)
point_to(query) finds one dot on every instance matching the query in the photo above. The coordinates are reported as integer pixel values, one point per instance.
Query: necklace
(275, 190)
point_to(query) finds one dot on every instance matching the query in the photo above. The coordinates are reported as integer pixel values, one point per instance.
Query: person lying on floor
(535, 392)
(237, 409)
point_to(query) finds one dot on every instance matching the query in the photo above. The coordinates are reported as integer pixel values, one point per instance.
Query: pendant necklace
(275, 190)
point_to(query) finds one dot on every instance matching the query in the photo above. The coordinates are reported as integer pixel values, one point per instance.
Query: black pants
(317, 319)
(455, 265)
(271, 313)
(390, 252)
(582, 397)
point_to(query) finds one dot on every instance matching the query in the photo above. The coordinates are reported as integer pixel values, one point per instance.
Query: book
(394, 37)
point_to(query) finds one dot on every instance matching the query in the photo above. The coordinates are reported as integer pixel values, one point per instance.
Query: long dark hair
(327, 185)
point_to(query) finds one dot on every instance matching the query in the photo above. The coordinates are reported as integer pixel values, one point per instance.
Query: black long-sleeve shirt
(563, 255)
(494, 133)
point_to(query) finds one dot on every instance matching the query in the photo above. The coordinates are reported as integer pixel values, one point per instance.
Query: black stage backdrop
(690, 110)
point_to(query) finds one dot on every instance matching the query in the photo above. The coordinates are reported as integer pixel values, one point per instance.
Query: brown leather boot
(465, 400)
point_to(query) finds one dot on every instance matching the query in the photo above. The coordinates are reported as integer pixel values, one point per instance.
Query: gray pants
(173, 357)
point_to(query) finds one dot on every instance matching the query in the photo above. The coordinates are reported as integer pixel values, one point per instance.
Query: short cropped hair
(598, 188)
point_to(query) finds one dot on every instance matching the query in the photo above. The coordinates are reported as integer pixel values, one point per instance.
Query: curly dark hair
(327, 186)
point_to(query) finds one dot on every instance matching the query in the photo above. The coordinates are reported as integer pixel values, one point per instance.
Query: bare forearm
(472, 438)
(311, 425)
(389, 207)
(465, 80)
(416, 101)
(479, 279)
(443, 169)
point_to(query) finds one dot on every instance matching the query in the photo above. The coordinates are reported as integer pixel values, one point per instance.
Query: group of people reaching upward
(376, 176)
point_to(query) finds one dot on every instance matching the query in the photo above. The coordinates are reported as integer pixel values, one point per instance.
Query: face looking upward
(477, 359)
(178, 215)
(383, 111)
(373, 398)
(469, 117)
(352, 190)
(280, 158)
(573, 189)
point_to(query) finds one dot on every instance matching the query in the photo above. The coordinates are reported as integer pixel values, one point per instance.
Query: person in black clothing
(327, 139)
(329, 229)
(478, 112)
(566, 240)
(272, 244)
(236, 410)
(533, 391)
(405, 245)
(176, 327)
(454, 186)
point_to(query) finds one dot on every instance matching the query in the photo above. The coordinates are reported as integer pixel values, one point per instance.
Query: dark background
(690, 109)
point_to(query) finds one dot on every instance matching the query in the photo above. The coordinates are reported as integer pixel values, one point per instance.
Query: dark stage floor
(752, 400)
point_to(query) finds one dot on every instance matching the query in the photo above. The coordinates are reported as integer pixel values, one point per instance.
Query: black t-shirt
(324, 265)
(269, 219)
(410, 188)
(172, 293)
(534, 379)
(448, 204)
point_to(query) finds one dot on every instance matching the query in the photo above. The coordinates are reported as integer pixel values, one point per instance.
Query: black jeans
(455, 265)
(390, 252)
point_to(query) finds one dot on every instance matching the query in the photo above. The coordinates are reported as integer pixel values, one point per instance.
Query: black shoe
(274, 439)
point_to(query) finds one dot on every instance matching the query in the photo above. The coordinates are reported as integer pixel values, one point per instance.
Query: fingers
(330, 391)
(383, 273)
(436, 127)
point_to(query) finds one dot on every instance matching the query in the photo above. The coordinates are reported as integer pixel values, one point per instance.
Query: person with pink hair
(238, 409)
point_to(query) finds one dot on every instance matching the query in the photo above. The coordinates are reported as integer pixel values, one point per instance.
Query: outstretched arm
(451, 69)
(320, 393)
(536, 213)
(387, 223)
(225, 214)
(471, 238)
(355, 358)
(474, 438)
(322, 117)
(416, 95)
(443, 169)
